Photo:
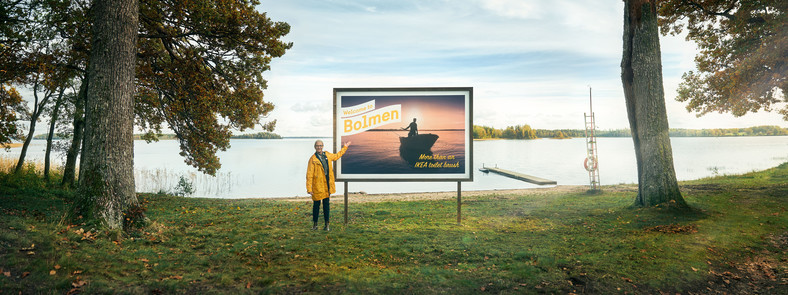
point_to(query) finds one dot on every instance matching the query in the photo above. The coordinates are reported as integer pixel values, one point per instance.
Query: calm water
(276, 168)
(379, 152)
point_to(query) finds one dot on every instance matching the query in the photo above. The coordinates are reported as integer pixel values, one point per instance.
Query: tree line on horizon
(526, 132)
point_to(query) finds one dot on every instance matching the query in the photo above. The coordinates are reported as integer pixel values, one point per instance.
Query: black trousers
(316, 210)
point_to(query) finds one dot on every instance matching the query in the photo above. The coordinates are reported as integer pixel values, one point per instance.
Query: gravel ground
(360, 197)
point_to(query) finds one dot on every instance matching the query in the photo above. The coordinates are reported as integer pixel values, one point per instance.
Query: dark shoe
(314, 227)
(326, 228)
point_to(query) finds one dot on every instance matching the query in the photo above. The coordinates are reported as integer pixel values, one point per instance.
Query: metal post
(459, 203)
(346, 202)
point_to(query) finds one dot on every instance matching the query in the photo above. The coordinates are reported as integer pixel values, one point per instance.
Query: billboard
(404, 134)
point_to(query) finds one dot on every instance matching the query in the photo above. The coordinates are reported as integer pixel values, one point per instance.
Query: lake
(277, 167)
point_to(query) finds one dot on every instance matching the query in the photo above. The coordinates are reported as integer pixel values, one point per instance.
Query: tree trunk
(69, 171)
(21, 162)
(641, 74)
(37, 109)
(107, 172)
(55, 113)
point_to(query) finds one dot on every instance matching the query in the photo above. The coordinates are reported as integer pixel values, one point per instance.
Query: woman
(320, 180)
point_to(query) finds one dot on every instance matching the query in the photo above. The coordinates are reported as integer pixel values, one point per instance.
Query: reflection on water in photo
(381, 152)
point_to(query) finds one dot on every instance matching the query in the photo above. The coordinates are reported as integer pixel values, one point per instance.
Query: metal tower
(591, 162)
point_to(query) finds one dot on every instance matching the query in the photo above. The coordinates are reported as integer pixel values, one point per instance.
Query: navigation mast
(591, 162)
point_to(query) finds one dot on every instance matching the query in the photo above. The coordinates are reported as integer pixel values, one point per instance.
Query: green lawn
(734, 239)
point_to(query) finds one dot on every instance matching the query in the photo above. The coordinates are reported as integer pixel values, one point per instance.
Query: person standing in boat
(414, 129)
(320, 180)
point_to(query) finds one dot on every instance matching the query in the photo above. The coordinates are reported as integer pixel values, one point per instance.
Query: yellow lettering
(375, 119)
(372, 120)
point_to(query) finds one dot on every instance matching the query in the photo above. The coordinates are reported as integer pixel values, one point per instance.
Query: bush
(184, 187)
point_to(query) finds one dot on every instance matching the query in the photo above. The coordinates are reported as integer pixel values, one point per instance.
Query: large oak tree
(198, 71)
(641, 75)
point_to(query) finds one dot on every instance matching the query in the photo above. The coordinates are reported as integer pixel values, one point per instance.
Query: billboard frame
(467, 175)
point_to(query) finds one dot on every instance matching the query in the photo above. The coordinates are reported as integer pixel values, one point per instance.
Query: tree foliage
(10, 109)
(743, 59)
(200, 71)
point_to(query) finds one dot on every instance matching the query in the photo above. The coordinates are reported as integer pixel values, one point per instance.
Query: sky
(529, 62)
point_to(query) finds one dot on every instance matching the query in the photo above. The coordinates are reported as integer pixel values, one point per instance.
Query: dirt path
(360, 197)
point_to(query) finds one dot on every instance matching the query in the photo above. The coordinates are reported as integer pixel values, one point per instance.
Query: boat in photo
(418, 142)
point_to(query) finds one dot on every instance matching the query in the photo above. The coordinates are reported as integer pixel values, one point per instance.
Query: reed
(8, 164)
(162, 180)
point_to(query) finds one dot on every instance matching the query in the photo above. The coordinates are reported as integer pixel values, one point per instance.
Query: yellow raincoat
(316, 177)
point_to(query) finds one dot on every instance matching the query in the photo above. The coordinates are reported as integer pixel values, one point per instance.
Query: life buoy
(590, 163)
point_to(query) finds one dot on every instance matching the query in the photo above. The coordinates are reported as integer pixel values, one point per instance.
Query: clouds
(514, 8)
(320, 106)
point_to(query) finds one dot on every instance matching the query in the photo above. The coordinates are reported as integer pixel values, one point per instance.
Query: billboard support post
(459, 203)
(346, 202)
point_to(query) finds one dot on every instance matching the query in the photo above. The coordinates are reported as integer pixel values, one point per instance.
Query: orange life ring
(591, 167)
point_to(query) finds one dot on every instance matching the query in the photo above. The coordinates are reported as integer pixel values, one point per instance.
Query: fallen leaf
(78, 283)
(27, 273)
(7, 273)
(52, 272)
(248, 285)
(57, 266)
(694, 269)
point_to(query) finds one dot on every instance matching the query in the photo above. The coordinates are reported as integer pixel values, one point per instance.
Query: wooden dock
(519, 176)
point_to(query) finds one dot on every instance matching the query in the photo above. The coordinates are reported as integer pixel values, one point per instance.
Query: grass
(734, 240)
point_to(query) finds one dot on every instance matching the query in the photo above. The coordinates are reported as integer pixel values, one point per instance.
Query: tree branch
(725, 13)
